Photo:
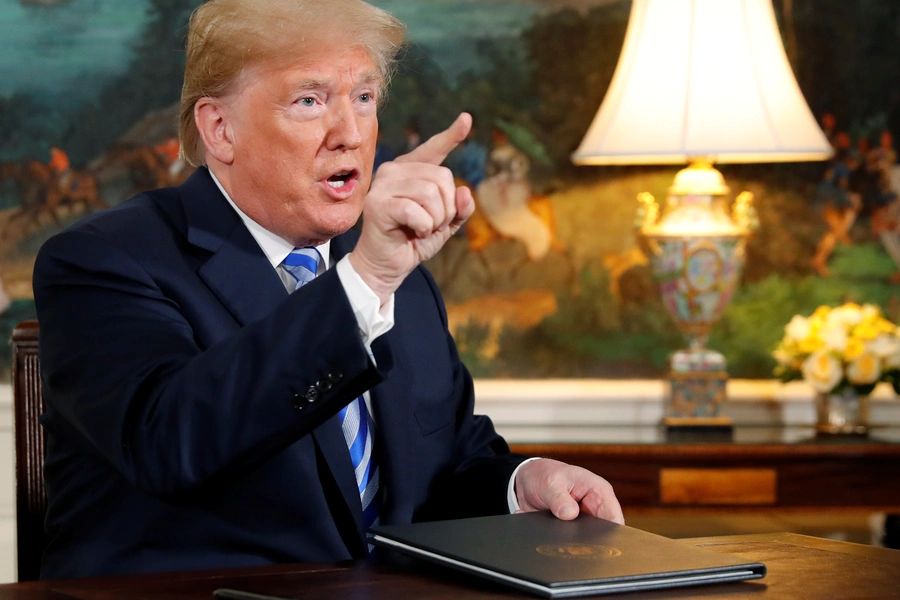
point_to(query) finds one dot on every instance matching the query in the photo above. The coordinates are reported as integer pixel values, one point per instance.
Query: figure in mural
(839, 204)
(470, 159)
(504, 197)
(70, 187)
(885, 201)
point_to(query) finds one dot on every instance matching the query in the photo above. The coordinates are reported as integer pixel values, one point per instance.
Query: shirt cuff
(511, 499)
(372, 318)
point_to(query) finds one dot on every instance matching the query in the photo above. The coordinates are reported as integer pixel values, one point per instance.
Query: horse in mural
(145, 166)
(43, 192)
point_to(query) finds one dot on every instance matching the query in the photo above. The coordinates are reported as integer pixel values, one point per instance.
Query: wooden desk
(758, 468)
(798, 567)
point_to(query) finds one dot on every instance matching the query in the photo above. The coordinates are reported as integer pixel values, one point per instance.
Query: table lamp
(700, 82)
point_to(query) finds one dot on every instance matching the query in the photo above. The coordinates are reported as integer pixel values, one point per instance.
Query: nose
(343, 131)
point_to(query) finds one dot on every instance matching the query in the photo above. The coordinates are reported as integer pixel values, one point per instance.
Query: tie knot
(302, 264)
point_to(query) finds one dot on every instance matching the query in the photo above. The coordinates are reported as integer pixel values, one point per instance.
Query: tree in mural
(152, 81)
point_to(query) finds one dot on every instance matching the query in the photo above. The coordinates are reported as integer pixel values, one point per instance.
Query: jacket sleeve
(127, 382)
(475, 481)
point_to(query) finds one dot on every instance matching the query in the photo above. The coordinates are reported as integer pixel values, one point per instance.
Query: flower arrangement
(836, 348)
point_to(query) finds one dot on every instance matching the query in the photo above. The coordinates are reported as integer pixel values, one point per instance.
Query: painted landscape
(88, 100)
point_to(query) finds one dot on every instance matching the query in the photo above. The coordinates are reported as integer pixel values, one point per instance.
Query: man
(197, 410)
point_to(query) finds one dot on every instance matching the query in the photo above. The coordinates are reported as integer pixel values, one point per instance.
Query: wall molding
(571, 409)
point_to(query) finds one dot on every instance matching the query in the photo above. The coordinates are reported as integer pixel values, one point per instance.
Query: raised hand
(412, 209)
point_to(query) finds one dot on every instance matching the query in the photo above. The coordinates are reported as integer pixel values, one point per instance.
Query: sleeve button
(311, 394)
(323, 386)
(335, 376)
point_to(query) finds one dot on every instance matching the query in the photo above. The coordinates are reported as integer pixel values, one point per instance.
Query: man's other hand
(565, 491)
(412, 209)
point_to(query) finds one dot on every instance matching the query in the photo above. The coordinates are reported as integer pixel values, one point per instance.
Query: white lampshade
(702, 79)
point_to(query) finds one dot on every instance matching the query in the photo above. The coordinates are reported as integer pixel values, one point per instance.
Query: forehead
(323, 67)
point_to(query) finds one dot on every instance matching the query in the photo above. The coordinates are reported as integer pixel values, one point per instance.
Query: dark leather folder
(540, 554)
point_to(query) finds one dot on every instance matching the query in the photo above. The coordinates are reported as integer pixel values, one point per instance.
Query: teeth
(337, 184)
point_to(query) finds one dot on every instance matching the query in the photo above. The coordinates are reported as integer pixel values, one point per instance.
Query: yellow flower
(855, 346)
(885, 326)
(865, 369)
(810, 344)
(821, 313)
(870, 328)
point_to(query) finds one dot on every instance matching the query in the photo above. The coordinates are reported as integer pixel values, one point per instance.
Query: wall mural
(547, 279)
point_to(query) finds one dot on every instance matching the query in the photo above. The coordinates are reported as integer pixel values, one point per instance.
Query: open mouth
(340, 179)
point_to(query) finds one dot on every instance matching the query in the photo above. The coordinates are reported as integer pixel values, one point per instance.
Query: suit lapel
(330, 438)
(238, 272)
(243, 280)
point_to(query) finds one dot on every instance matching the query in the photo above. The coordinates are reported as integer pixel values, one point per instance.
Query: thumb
(562, 505)
(438, 146)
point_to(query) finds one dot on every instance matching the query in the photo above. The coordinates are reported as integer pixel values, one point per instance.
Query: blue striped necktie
(302, 264)
(356, 422)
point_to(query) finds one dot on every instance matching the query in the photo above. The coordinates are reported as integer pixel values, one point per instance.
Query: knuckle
(445, 173)
(388, 169)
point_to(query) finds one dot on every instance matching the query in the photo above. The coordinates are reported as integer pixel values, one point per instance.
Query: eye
(308, 102)
(366, 98)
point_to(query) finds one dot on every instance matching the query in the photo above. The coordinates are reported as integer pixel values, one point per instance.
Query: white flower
(883, 346)
(846, 316)
(798, 329)
(866, 368)
(822, 371)
(834, 336)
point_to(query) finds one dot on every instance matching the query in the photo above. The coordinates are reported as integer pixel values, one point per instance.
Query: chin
(337, 226)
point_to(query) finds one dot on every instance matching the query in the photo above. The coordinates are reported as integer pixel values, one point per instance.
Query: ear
(212, 121)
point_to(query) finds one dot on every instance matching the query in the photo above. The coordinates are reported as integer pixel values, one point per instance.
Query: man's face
(304, 143)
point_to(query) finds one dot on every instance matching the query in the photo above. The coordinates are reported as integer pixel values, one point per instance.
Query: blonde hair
(226, 37)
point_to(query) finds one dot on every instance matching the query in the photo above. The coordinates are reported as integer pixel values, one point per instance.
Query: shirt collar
(274, 247)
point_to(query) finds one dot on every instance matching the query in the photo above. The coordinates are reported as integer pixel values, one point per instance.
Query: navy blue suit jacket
(191, 402)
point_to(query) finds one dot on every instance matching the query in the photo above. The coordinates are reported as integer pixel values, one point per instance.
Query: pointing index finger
(436, 149)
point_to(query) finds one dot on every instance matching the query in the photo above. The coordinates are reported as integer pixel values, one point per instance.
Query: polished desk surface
(798, 567)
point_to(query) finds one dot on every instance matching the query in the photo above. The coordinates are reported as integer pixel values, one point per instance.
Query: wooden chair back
(31, 497)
